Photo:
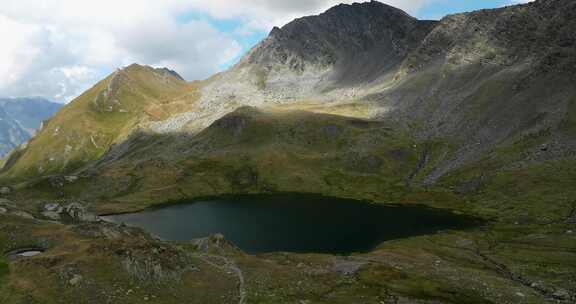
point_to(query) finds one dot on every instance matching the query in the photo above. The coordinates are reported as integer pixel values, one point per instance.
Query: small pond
(293, 222)
(23, 253)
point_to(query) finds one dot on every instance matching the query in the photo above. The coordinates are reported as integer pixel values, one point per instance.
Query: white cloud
(58, 48)
(264, 14)
(19, 46)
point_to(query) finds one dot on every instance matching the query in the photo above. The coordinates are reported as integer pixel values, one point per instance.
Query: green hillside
(86, 128)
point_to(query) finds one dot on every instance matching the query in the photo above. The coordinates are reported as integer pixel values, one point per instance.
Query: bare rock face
(350, 43)
(539, 33)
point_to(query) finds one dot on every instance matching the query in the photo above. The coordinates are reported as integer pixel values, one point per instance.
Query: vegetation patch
(4, 270)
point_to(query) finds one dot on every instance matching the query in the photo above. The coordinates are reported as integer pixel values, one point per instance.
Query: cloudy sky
(58, 48)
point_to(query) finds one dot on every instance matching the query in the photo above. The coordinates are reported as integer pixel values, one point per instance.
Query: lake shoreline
(253, 215)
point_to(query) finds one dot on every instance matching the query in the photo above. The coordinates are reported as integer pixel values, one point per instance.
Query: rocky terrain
(20, 118)
(473, 113)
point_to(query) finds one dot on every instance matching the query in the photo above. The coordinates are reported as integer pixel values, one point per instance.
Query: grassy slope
(4, 272)
(445, 267)
(84, 250)
(85, 129)
(252, 151)
(255, 151)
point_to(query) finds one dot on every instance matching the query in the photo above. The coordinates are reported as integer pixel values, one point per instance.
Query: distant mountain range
(20, 118)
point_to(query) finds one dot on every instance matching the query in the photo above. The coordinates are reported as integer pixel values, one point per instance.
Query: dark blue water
(293, 222)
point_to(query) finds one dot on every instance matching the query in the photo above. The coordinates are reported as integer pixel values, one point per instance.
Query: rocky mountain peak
(163, 71)
(375, 7)
(344, 47)
(334, 36)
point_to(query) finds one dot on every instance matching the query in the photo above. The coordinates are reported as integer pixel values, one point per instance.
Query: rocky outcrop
(215, 243)
(80, 213)
(5, 190)
(72, 212)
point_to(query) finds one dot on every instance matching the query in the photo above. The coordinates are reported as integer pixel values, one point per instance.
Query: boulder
(57, 181)
(75, 280)
(79, 213)
(53, 211)
(561, 294)
(5, 190)
(71, 178)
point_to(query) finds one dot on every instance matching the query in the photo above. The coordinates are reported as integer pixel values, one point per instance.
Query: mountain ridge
(276, 72)
(421, 72)
(105, 114)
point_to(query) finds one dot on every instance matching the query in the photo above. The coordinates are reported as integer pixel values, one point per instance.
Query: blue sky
(61, 54)
(246, 40)
(440, 8)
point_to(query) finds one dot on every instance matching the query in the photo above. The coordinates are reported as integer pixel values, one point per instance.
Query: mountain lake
(294, 222)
